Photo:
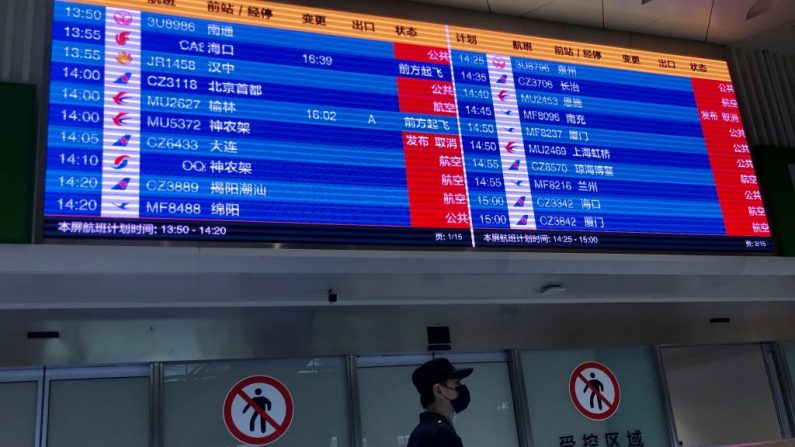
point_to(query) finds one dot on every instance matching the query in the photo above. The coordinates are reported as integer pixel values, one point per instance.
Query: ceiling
(759, 24)
(82, 277)
(175, 302)
(117, 336)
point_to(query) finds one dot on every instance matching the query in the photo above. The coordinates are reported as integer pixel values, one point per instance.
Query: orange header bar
(292, 17)
(338, 23)
(469, 39)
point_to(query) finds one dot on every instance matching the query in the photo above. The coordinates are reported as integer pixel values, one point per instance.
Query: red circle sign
(594, 391)
(258, 410)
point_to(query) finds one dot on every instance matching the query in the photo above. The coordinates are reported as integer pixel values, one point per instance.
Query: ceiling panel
(692, 28)
(760, 24)
(477, 5)
(382, 7)
(516, 8)
(687, 19)
(630, 15)
(579, 12)
(108, 336)
(736, 20)
(781, 40)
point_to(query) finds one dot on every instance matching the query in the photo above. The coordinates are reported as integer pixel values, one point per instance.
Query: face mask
(461, 402)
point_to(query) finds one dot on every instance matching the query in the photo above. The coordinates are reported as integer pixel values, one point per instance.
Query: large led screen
(264, 122)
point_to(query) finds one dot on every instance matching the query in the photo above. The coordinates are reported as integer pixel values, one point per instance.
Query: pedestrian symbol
(258, 410)
(263, 405)
(594, 391)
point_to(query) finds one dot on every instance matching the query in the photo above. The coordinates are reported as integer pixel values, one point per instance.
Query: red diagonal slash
(593, 389)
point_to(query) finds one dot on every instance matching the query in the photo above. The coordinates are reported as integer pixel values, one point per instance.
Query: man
(442, 396)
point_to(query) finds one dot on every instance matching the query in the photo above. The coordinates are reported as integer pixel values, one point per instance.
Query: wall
(23, 37)
(17, 132)
(765, 84)
(775, 171)
(122, 304)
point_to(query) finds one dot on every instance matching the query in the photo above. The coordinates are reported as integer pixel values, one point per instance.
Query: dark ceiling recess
(43, 335)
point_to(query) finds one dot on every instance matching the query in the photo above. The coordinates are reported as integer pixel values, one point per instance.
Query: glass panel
(789, 346)
(99, 413)
(195, 396)
(390, 406)
(18, 413)
(720, 395)
(638, 418)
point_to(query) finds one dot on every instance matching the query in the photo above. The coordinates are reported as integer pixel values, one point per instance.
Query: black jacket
(434, 430)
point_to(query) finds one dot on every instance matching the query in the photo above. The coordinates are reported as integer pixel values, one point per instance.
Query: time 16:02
(321, 115)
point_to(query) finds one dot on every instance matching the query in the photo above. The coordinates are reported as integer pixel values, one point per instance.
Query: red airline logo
(123, 18)
(122, 37)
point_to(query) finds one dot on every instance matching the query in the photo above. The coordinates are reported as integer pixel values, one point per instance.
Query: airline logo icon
(120, 98)
(120, 119)
(123, 141)
(520, 202)
(518, 182)
(123, 18)
(121, 162)
(122, 37)
(122, 185)
(499, 62)
(515, 165)
(510, 147)
(124, 79)
(503, 79)
(124, 58)
(503, 95)
(523, 220)
(122, 205)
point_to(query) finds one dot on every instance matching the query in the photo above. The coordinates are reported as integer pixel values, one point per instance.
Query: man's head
(438, 380)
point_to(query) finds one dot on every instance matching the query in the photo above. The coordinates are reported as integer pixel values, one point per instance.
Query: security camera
(332, 296)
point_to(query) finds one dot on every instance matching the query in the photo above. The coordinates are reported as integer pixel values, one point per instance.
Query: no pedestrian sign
(594, 391)
(258, 410)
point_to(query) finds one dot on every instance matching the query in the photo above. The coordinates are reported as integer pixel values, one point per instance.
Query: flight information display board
(264, 122)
